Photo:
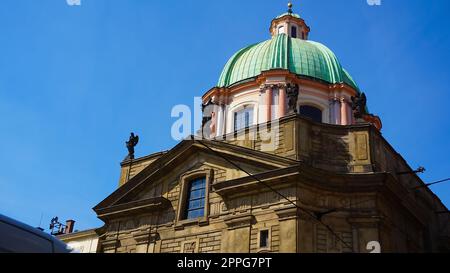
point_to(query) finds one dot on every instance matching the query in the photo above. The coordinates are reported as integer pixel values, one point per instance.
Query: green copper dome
(302, 57)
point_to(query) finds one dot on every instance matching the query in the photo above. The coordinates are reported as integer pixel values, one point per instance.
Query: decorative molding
(287, 213)
(265, 86)
(239, 221)
(249, 183)
(110, 244)
(132, 208)
(145, 237)
(362, 146)
(142, 238)
(365, 221)
(191, 246)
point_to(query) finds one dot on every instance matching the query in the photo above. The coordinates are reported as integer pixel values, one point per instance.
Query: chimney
(70, 224)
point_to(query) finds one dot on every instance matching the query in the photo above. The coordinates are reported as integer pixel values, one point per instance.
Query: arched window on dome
(311, 112)
(281, 30)
(243, 118)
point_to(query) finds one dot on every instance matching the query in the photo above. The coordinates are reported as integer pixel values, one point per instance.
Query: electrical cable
(431, 184)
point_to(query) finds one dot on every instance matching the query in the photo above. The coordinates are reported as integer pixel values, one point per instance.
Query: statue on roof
(359, 106)
(292, 92)
(131, 143)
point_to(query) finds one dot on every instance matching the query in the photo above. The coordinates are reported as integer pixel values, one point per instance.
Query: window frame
(190, 198)
(251, 118)
(185, 181)
(268, 247)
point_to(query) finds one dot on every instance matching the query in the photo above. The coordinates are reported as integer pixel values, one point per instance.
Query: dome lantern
(291, 24)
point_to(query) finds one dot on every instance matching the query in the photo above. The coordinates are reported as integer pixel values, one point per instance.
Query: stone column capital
(334, 100)
(273, 86)
(344, 100)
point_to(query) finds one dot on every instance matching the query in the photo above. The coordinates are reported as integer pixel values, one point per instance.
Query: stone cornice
(239, 221)
(136, 207)
(306, 175)
(144, 237)
(249, 183)
(287, 213)
(293, 117)
(346, 183)
(293, 78)
(142, 159)
(110, 244)
(365, 221)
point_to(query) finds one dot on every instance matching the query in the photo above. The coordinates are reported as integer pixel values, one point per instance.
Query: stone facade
(342, 179)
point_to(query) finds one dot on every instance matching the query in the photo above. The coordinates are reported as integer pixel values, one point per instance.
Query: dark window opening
(294, 32)
(264, 239)
(311, 112)
(195, 202)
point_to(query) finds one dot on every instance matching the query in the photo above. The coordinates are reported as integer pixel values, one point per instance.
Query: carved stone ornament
(239, 221)
(189, 247)
(292, 92)
(359, 105)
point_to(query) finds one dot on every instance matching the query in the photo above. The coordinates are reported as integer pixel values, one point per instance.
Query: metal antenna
(40, 221)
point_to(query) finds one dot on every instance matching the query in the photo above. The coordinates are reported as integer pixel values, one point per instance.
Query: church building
(290, 161)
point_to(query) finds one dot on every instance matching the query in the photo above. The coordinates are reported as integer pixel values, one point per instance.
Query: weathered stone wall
(383, 208)
(343, 149)
(405, 232)
(236, 224)
(202, 243)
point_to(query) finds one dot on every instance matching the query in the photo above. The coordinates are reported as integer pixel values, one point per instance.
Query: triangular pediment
(162, 175)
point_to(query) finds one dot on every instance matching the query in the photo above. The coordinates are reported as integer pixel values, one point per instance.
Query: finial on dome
(290, 7)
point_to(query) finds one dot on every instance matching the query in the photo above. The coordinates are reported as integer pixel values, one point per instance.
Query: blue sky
(76, 80)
